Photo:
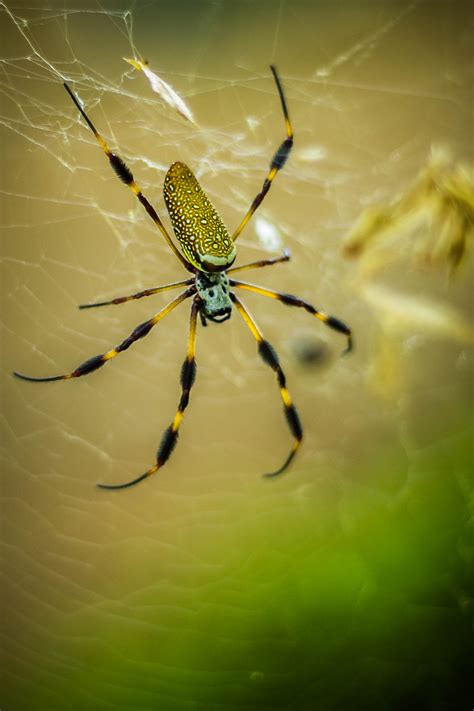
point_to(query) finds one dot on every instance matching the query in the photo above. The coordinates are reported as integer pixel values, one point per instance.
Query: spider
(208, 252)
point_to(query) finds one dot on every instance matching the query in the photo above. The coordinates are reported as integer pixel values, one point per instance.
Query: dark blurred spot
(310, 352)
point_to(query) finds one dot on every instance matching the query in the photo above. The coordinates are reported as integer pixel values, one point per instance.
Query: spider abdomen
(197, 225)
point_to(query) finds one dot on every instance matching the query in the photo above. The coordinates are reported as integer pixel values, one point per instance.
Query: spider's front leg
(88, 366)
(269, 357)
(290, 300)
(170, 436)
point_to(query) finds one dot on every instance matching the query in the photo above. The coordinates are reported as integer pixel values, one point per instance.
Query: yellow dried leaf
(434, 218)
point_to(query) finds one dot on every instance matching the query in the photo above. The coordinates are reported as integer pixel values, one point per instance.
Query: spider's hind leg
(285, 257)
(138, 295)
(278, 161)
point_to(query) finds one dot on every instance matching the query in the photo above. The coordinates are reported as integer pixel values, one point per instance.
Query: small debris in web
(268, 235)
(160, 87)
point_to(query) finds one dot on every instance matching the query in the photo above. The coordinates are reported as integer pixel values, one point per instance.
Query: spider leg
(126, 176)
(263, 262)
(170, 436)
(278, 161)
(139, 295)
(291, 300)
(269, 357)
(99, 360)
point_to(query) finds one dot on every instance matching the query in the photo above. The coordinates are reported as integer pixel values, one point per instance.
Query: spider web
(366, 116)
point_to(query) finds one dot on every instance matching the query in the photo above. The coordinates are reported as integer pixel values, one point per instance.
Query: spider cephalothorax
(214, 292)
(208, 253)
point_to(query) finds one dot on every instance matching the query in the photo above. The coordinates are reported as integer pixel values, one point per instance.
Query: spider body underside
(213, 290)
(208, 252)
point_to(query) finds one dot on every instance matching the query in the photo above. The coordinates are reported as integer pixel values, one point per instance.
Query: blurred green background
(347, 583)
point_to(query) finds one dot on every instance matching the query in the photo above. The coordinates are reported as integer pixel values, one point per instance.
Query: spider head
(213, 288)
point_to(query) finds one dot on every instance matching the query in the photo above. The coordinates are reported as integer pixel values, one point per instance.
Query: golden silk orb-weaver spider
(208, 252)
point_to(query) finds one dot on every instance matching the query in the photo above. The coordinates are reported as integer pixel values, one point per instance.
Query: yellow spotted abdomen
(198, 227)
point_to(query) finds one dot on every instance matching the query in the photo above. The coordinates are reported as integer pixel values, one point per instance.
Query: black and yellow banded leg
(139, 294)
(269, 357)
(263, 262)
(291, 300)
(99, 360)
(278, 161)
(124, 173)
(170, 436)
